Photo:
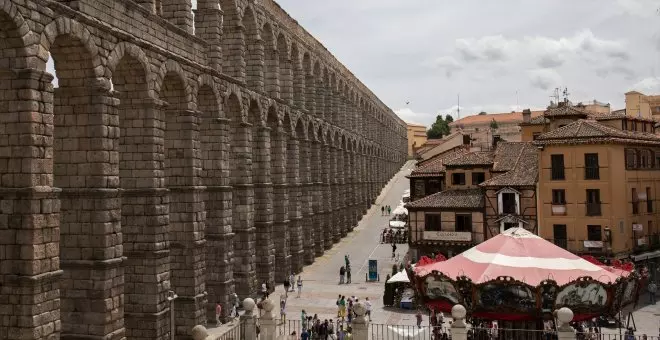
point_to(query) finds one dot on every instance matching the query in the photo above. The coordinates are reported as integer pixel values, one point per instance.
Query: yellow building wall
(416, 137)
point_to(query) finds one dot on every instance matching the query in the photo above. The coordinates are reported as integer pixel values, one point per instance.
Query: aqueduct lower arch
(201, 163)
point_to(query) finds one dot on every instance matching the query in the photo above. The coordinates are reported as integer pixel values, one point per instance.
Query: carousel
(519, 278)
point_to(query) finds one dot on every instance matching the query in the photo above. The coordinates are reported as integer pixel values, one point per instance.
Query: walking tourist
(299, 284)
(338, 307)
(303, 319)
(653, 288)
(218, 314)
(347, 260)
(348, 274)
(331, 329)
(382, 210)
(342, 308)
(340, 333)
(393, 250)
(389, 210)
(367, 304)
(292, 282)
(304, 335)
(418, 316)
(287, 284)
(264, 290)
(283, 310)
(342, 272)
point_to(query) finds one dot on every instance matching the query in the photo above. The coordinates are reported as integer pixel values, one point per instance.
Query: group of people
(389, 235)
(345, 271)
(233, 312)
(385, 210)
(314, 328)
(290, 285)
(345, 311)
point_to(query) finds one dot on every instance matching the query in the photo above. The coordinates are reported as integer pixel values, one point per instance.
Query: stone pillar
(295, 216)
(348, 190)
(320, 108)
(326, 177)
(318, 205)
(267, 321)
(342, 193)
(364, 186)
(91, 252)
(29, 209)
(458, 329)
(233, 45)
(144, 224)
(219, 235)
(360, 325)
(280, 204)
(306, 200)
(243, 211)
(187, 218)
(310, 94)
(355, 190)
(334, 193)
(178, 12)
(263, 206)
(564, 330)
(208, 26)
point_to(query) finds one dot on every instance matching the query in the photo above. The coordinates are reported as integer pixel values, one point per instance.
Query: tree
(449, 119)
(493, 124)
(440, 127)
(482, 113)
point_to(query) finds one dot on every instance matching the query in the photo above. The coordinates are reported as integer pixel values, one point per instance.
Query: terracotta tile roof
(434, 166)
(452, 199)
(506, 155)
(620, 115)
(508, 117)
(475, 158)
(565, 111)
(539, 120)
(523, 171)
(585, 131)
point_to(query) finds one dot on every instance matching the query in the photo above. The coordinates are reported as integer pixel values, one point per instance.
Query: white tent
(400, 210)
(397, 224)
(401, 276)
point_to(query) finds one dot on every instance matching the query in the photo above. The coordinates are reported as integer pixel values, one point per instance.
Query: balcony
(453, 236)
(559, 209)
(593, 209)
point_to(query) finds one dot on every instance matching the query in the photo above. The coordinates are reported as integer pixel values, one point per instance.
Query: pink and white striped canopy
(522, 255)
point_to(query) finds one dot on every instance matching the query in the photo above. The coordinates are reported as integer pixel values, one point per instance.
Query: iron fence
(233, 330)
(614, 335)
(402, 332)
(479, 333)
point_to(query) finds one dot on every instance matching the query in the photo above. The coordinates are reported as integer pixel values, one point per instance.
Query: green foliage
(440, 128)
(482, 113)
(493, 124)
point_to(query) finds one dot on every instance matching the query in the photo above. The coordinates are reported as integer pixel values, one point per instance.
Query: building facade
(641, 105)
(196, 156)
(416, 137)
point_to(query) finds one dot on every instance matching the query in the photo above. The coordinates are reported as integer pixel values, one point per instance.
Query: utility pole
(458, 108)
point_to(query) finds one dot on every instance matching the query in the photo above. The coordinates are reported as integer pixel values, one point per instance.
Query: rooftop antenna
(565, 94)
(555, 95)
(458, 108)
(517, 103)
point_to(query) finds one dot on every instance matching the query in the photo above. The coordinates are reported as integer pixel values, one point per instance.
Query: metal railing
(603, 334)
(404, 332)
(478, 333)
(232, 331)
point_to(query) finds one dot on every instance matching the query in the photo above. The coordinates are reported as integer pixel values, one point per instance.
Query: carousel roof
(519, 254)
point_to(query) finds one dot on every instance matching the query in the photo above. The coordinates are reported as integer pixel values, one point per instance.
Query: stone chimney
(527, 115)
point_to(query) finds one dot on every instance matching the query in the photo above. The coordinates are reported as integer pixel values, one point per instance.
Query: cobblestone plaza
(202, 156)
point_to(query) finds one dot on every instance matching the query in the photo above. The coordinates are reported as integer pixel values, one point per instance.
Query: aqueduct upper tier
(201, 154)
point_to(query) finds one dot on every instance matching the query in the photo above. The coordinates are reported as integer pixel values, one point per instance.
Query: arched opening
(255, 52)
(295, 213)
(298, 78)
(271, 72)
(263, 196)
(284, 65)
(279, 163)
(310, 87)
(233, 41)
(85, 168)
(242, 199)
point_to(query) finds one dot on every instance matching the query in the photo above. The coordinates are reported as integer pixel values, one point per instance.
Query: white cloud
(488, 48)
(649, 85)
(411, 116)
(642, 8)
(545, 78)
(448, 64)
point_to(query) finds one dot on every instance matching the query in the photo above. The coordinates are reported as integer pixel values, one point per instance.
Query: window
(432, 222)
(433, 186)
(458, 178)
(593, 202)
(535, 135)
(631, 159)
(559, 235)
(649, 201)
(558, 196)
(464, 222)
(557, 164)
(643, 127)
(509, 203)
(635, 201)
(594, 233)
(478, 178)
(591, 170)
(634, 126)
(624, 125)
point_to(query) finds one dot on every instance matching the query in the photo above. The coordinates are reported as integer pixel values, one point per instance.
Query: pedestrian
(299, 284)
(338, 307)
(340, 333)
(342, 308)
(234, 312)
(347, 260)
(653, 288)
(264, 290)
(331, 329)
(419, 318)
(389, 210)
(367, 304)
(382, 210)
(303, 318)
(350, 310)
(292, 282)
(393, 250)
(218, 314)
(283, 310)
(342, 272)
(287, 284)
(304, 335)
(348, 274)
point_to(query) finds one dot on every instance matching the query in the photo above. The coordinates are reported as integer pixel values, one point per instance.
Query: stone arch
(207, 89)
(15, 37)
(298, 82)
(233, 40)
(271, 62)
(255, 113)
(63, 26)
(172, 69)
(255, 51)
(123, 49)
(284, 65)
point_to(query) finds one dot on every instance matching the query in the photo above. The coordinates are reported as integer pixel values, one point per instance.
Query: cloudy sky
(496, 54)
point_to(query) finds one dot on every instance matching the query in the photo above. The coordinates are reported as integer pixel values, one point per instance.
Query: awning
(397, 224)
(646, 256)
(401, 276)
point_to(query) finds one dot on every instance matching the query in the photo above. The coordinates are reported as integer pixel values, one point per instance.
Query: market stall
(518, 276)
